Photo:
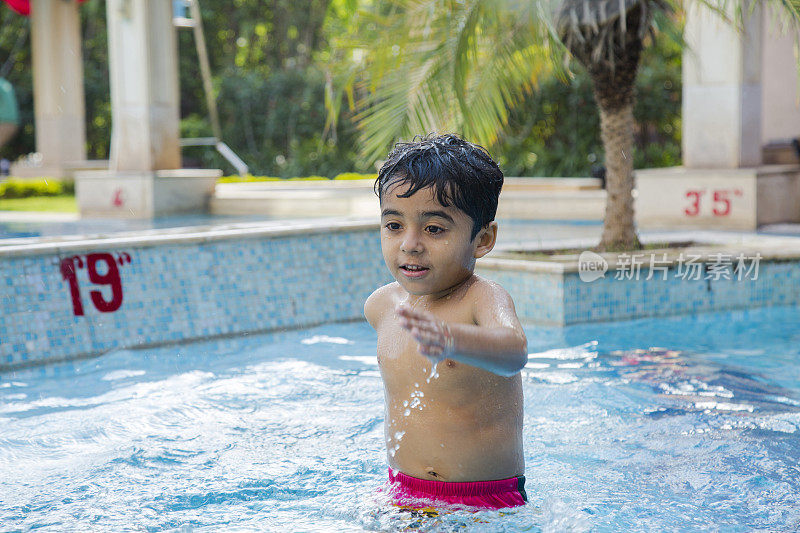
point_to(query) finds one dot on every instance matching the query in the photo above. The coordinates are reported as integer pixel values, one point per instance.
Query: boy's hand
(433, 335)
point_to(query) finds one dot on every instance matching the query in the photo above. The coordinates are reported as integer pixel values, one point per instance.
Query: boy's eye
(393, 226)
(434, 230)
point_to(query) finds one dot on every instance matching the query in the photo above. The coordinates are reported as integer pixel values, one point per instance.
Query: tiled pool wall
(66, 300)
(561, 298)
(79, 300)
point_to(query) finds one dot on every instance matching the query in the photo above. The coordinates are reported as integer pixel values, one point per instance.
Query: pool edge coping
(191, 235)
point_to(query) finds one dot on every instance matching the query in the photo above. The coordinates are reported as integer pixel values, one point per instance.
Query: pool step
(523, 198)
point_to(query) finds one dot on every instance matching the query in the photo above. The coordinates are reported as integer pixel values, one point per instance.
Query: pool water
(29, 226)
(665, 424)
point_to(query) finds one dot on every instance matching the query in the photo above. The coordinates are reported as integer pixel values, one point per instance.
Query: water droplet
(407, 412)
(434, 372)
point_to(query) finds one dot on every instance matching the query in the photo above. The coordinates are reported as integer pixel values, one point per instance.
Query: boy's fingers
(429, 350)
(405, 311)
(429, 322)
(428, 339)
(416, 324)
(421, 326)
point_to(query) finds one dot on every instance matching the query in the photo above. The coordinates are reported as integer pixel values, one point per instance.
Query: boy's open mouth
(414, 271)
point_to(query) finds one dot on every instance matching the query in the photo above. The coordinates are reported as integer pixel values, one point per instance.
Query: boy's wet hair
(461, 173)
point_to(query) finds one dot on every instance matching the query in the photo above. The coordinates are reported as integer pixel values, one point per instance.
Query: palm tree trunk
(616, 131)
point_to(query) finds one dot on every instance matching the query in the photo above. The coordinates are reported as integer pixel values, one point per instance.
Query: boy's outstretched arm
(496, 343)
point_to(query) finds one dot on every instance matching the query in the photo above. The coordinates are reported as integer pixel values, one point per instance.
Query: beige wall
(58, 98)
(780, 91)
(143, 72)
(740, 89)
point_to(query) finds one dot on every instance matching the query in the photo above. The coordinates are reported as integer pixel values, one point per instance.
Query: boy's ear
(485, 239)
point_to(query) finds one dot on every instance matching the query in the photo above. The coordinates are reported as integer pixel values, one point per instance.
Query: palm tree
(606, 37)
(459, 65)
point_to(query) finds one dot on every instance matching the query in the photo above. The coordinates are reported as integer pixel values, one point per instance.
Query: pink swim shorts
(407, 490)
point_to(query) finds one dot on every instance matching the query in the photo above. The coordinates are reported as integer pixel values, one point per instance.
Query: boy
(450, 345)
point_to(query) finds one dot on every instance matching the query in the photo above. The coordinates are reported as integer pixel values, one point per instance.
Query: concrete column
(143, 71)
(58, 98)
(780, 120)
(722, 91)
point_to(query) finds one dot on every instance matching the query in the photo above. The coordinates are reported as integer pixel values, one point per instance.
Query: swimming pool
(681, 423)
(20, 225)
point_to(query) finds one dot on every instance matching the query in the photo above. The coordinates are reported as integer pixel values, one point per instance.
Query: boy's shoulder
(487, 296)
(482, 287)
(381, 300)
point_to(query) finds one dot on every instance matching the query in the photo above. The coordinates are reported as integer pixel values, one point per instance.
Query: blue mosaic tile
(564, 299)
(181, 292)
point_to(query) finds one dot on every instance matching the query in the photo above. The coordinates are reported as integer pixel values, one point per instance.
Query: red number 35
(694, 209)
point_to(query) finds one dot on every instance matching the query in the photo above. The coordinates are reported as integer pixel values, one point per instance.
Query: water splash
(434, 372)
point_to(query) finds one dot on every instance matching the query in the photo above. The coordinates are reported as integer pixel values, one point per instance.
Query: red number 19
(111, 278)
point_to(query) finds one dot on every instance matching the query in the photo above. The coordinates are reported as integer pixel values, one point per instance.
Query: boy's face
(426, 246)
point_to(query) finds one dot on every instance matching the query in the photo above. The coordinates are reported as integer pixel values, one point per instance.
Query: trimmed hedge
(355, 176)
(343, 176)
(17, 188)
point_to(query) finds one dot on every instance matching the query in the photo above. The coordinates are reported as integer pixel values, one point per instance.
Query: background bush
(251, 178)
(16, 188)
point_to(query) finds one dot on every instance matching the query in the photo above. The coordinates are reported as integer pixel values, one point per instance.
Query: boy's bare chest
(403, 367)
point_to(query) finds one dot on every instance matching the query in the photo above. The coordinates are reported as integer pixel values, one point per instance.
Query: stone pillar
(780, 120)
(721, 91)
(58, 98)
(144, 178)
(143, 71)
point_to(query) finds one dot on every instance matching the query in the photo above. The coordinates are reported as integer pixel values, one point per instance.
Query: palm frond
(439, 65)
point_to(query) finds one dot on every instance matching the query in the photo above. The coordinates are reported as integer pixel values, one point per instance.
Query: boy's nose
(411, 244)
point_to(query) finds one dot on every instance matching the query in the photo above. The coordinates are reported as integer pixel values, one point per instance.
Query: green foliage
(555, 130)
(270, 91)
(17, 188)
(251, 178)
(480, 68)
(275, 124)
(355, 176)
(262, 55)
(96, 86)
(15, 66)
(49, 204)
(15, 51)
(440, 66)
(248, 179)
(271, 67)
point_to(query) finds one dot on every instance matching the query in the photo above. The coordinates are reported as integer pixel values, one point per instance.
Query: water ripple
(270, 434)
